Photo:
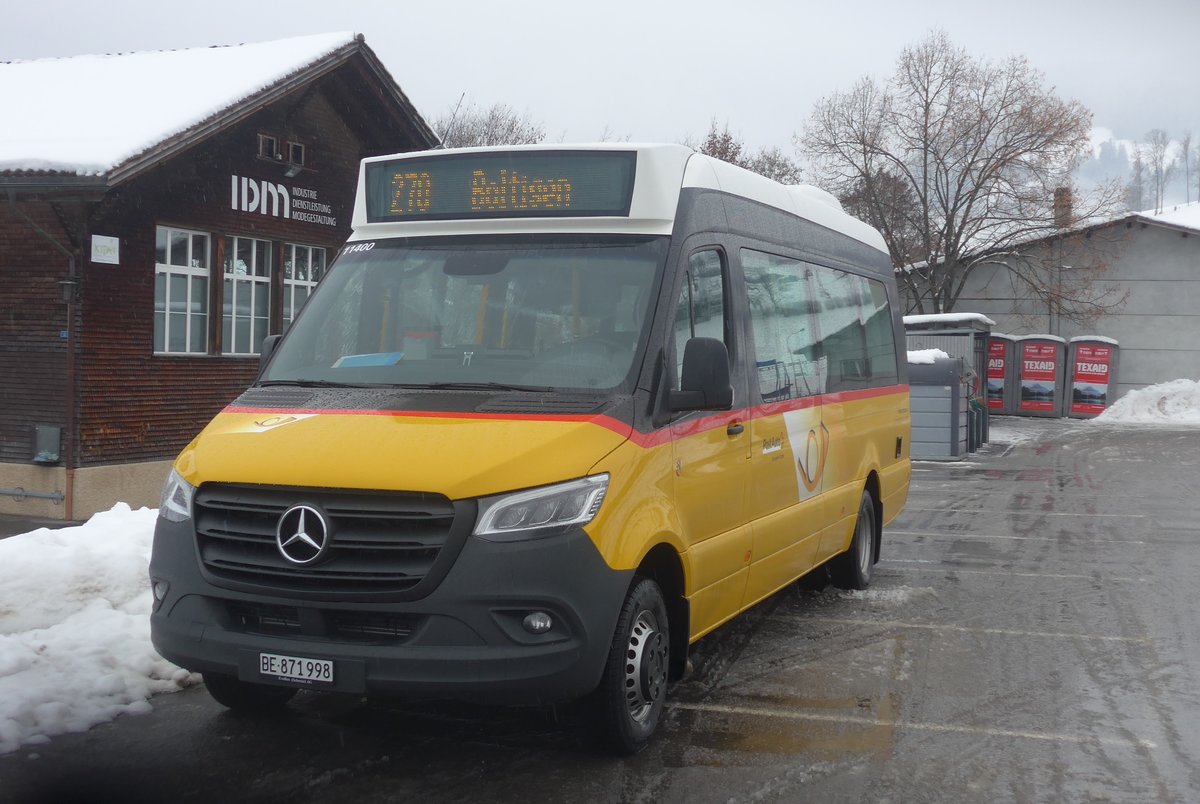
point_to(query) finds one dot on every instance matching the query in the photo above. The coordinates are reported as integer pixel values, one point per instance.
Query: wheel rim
(863, 539)
(645, 666)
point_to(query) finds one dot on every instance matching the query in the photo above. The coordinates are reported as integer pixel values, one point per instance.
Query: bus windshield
(487, 313)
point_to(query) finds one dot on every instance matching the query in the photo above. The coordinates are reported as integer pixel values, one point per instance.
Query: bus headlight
(537, 513)
(176, 502)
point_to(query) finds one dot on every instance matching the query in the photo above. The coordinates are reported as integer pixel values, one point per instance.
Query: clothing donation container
(1092, 365)
(1041, 372)
(1002, 384)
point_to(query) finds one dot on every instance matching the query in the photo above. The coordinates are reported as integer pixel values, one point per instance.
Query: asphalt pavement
(1031, 635)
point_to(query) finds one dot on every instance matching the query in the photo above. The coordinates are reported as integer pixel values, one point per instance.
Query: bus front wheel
(630, 697)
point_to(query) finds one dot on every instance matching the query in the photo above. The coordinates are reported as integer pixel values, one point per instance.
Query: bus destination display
(501, 185)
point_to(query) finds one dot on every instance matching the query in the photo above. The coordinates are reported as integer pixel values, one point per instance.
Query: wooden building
(153, 233)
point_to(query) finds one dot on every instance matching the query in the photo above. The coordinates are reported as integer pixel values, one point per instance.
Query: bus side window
(843, 339)
(700, 309)
(783, 323)
(881, 338)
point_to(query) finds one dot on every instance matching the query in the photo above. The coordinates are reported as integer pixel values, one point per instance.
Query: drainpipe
(69, 435)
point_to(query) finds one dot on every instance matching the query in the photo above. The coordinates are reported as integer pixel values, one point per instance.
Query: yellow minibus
(554, 414)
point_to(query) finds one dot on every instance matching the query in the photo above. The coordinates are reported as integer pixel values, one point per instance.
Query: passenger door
(711, 450)
(841, 298)
(788, 440)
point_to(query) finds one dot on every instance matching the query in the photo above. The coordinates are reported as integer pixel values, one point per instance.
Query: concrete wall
(96, 488)
(1156, 269)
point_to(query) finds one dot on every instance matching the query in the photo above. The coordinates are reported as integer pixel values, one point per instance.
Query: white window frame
(250, 282)
(292, 145)
(263, 141)
(185, 274)
(290, 283)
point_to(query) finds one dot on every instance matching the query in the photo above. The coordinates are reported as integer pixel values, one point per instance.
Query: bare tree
(1135, 191)
(467, 125)
(723, 144)
(608, 135)
(1161, 167)
(887, 200)
(772, 163)
(1184, 161)
(1196, 161)
(980, 149)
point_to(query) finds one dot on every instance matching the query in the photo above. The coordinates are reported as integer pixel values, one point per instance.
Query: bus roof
(662, 172)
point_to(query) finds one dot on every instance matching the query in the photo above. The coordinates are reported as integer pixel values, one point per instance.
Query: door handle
(734, 429)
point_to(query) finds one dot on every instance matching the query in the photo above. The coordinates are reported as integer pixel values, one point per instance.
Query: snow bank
(1177, 402)
(75, 628)
(926, 357)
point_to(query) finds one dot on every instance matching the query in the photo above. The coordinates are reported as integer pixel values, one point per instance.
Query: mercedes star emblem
(302, 534)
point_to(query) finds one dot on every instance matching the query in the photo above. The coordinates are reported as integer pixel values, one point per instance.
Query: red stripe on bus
(618, 427)
(656, 438)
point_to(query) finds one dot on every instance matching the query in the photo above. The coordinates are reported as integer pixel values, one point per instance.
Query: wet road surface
(1032, 634)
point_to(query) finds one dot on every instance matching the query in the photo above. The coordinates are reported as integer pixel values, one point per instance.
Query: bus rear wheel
(630, 697)
(853, 569)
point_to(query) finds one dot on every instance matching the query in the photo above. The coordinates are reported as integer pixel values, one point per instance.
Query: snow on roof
(1179, 216)
(1004, 336)
(1186, 216)
(949, 318)
(1095, 339)
(1041, 338)
(926, 357)
(108, 109)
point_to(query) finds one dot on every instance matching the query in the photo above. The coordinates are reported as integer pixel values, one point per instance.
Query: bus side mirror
(268, 348)
(705, 381)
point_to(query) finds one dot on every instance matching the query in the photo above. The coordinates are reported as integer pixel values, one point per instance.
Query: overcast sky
(662, 70)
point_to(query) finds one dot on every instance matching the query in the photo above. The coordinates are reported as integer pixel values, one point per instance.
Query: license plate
(296, 668)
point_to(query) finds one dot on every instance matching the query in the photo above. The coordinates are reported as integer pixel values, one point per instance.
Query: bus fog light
(160, 589)
(539, 622)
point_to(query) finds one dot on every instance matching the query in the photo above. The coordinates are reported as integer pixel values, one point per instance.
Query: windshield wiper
(484, 386)
(312, 384)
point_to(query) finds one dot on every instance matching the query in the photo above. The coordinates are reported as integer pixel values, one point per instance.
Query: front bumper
(464, 640)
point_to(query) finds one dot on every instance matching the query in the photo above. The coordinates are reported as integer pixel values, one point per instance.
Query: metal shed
(964, 336)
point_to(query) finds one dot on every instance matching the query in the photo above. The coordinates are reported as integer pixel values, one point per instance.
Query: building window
(246, 310)
(180, 291)
(296, 153)
(268, 146)
(303, 267)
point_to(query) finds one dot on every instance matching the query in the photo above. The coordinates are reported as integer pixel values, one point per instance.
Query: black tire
(853, 569)
(244, 696)
(630, 697)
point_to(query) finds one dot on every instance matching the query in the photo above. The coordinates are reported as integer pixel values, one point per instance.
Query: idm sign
(262, 196)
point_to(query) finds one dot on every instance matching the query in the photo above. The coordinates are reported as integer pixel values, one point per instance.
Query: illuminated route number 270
(411, 192)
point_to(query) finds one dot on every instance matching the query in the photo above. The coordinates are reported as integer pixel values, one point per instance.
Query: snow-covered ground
(75, 602)
(75, 628)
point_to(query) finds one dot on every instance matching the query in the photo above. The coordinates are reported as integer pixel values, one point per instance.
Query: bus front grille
(373, 542)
